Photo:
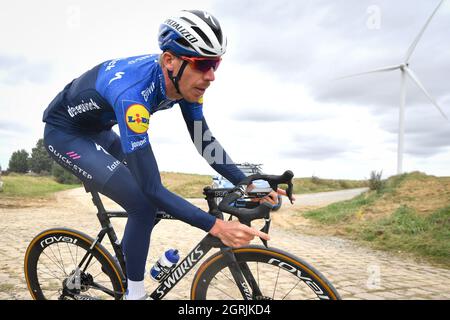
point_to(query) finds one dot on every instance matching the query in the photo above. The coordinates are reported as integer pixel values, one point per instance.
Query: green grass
(315, 184)
(344, 211)
(341, 211)
(191, 185)
(186, 185)
(403, 230)
(15, 185)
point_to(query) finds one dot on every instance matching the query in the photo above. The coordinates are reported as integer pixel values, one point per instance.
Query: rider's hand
(235, 234)
(272, 197)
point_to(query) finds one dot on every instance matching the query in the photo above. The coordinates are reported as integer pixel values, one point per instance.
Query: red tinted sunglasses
(203, 64)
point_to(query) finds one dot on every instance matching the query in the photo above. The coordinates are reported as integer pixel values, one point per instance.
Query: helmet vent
(218, 34)
(183, 42)
(207, 51)
(188, 21)
(203, 36)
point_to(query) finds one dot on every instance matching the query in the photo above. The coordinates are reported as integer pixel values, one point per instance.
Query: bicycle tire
(310, 282)
(40, 253)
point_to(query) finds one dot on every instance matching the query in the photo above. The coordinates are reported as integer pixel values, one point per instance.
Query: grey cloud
(311, 42)
(319, 147)
(427, 145)
(426, 132)
(259, 115)
(18, 70)
(10, 127)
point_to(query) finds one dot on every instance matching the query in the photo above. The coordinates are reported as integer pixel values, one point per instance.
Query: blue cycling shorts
(92, 157)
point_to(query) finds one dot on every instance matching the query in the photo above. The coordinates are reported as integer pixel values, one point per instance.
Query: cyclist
(128, 92)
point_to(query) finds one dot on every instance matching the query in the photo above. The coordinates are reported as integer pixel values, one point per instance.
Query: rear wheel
(269, 273)
(59, 264)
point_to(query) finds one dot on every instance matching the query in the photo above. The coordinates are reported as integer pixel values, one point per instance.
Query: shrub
(40, 160)
(316, 180)
(375, 182)
(19, 162)
(63, 176)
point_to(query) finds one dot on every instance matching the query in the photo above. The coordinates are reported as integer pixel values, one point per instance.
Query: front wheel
(63, 264)
(269, 274)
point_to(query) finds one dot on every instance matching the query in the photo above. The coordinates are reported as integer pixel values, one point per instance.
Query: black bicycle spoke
(291, 290)
(70, 251)
(88, 263)
(101, 272)
(58, 263)
(231, 280)
(276, 283)
(257, 273)
(55, 263)
(50, 272)
(62, 260)
(217, 288)
(52, 276)
(76, 256)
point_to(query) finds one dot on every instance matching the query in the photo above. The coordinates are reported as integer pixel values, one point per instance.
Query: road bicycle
(67, 264)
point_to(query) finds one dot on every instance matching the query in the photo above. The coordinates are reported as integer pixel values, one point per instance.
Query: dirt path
(356, 272)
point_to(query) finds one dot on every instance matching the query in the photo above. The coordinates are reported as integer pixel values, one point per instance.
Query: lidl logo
(137, 118)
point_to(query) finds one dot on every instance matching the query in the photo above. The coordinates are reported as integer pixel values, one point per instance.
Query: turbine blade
(416, 41)
(414, 78)
(384, 69)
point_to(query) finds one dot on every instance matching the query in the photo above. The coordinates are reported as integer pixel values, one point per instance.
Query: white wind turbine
(406, 71)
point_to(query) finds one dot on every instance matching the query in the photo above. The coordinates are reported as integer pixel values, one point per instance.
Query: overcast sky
(274, 101)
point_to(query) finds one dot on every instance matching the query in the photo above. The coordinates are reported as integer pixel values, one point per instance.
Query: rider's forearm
(142, 165)
(212, 151)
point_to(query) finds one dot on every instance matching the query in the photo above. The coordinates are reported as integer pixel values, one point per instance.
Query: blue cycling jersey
(124, 91)
(128, 92)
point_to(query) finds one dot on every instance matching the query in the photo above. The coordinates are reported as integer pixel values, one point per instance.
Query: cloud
(265, 116)
(16, 70)
(427, 133)
(12, 127)
(320, 147)
(311, 43)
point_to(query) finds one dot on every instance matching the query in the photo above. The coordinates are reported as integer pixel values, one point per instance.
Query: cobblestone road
(356, 272)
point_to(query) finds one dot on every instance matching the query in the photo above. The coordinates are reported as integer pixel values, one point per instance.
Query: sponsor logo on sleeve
(138, 143)
(137, 118)
(147, 92)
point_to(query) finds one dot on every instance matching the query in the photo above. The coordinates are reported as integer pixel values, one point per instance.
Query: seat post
(107, 228)
(98, 202)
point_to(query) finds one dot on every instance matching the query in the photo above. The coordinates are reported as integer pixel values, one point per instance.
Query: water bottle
(163, 266)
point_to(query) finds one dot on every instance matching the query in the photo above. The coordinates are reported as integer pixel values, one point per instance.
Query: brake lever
(265, 229)
(289, 192)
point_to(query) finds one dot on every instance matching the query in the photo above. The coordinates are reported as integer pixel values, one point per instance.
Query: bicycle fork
(242, 275)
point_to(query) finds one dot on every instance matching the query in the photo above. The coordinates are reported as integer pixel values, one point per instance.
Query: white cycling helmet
(192, 33)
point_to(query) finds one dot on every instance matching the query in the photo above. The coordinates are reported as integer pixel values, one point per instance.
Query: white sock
(135, 290)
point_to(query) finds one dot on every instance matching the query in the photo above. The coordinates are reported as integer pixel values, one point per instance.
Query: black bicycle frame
(239, 271)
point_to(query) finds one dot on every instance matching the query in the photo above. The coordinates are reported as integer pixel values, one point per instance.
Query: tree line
(39, 162)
